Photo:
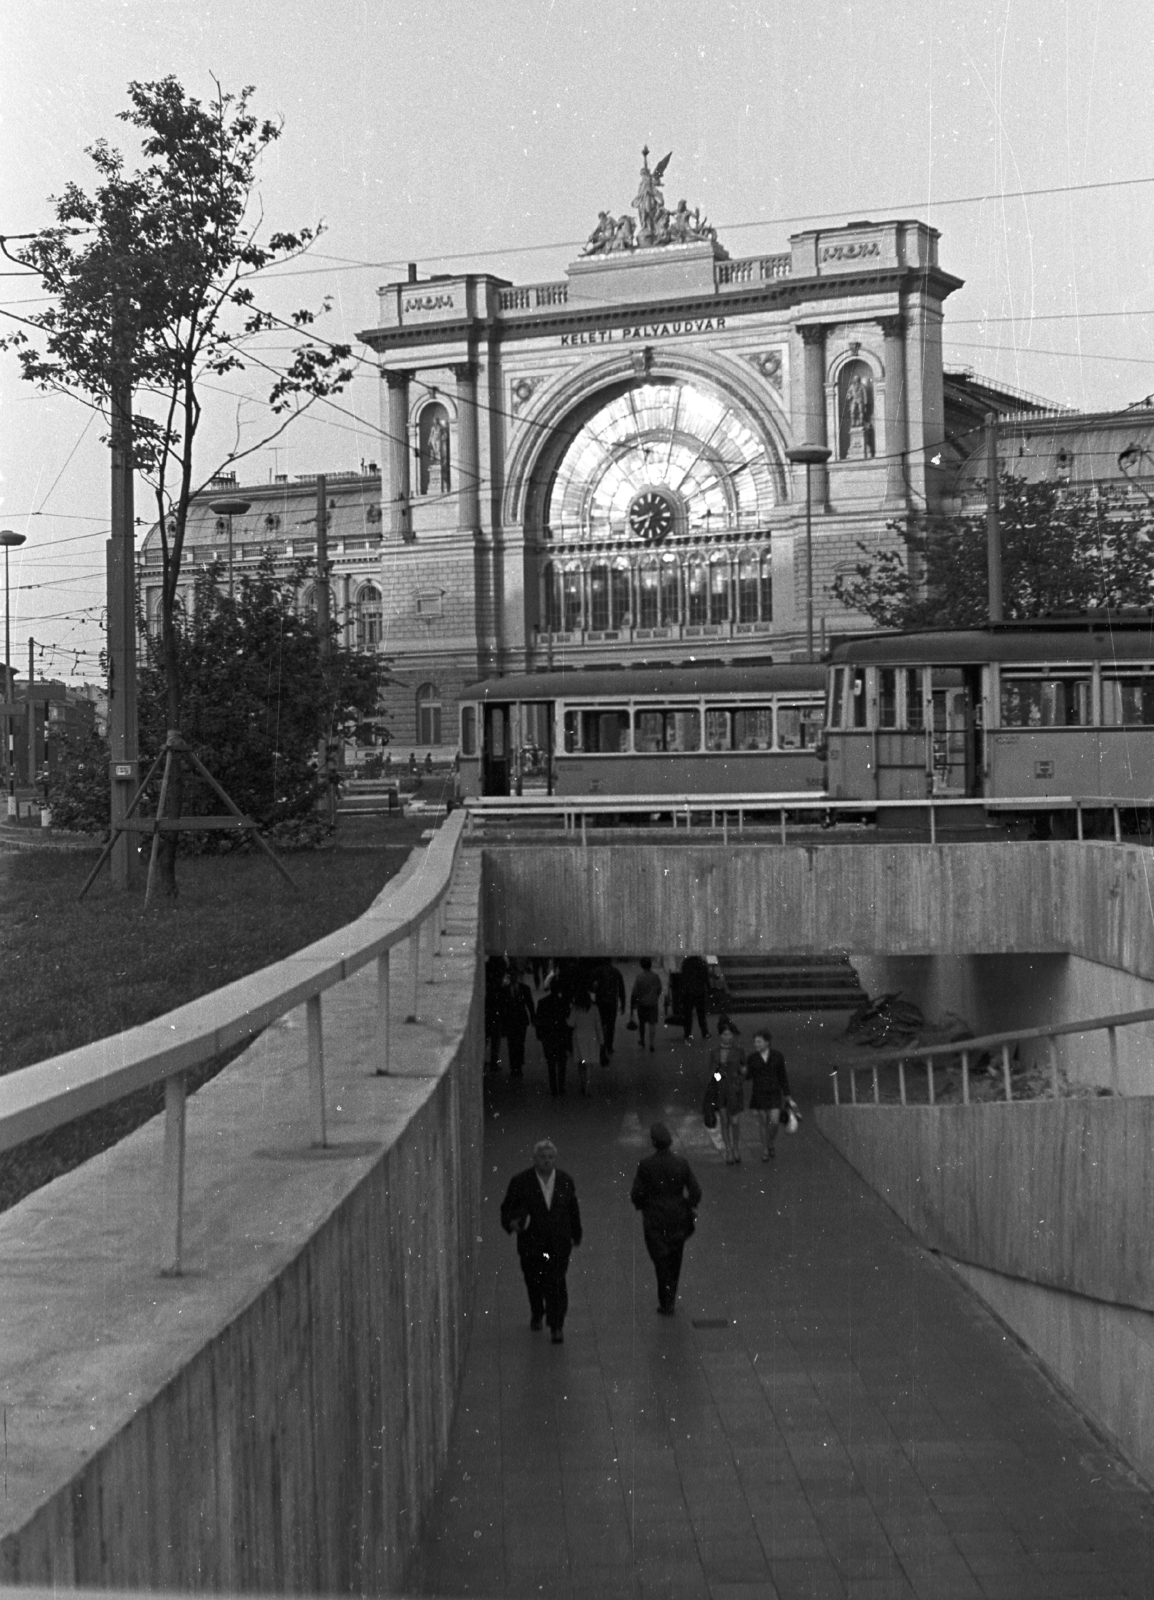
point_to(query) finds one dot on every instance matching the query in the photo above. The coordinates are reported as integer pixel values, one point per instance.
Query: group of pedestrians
(540, 1207)
(575, 1016)
(730, 1071)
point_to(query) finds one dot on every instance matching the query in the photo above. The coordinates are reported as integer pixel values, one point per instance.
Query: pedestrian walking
(609, 998)
(667, 1195)
(588, 1038)
(540, 1207)
(553, 1032)
(518, 1013)
(694, 995)
(495, 969)
(727, 1062)
(645, 1003)
(765, 1068)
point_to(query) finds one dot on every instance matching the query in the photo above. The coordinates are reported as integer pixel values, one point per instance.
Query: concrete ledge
(277, 1417)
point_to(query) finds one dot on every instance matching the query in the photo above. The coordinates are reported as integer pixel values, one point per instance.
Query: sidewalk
(828, 1414)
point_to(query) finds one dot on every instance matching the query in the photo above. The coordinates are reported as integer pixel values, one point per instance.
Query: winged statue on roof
(656, 224)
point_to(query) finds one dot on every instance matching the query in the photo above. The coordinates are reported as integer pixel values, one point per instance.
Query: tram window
(655, 731)
(837, 697)
(915, 709)
(887, 697)
(596, 732)
(799, 727)
(468, 730)
(857, 704)
(1128, 701)
(753, 728)
(718, 729)
(1044, 702)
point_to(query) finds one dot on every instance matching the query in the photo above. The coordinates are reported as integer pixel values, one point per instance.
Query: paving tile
(807, 1580)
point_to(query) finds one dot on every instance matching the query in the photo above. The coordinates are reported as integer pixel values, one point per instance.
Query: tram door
(953, 734)
(495, 750)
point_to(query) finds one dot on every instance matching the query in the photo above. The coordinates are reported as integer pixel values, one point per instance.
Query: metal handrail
(573, 808)
(49, 1093)
(983, 1043)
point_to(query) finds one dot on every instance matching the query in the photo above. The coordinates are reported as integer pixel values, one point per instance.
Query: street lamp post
(9, 540)
(808, 455)
(229, 509)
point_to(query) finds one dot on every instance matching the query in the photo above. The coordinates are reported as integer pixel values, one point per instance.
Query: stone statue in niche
(857, 413)
(436, 477)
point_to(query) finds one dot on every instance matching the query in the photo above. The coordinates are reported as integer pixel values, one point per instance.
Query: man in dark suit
(667, 1194)
(540, 1206)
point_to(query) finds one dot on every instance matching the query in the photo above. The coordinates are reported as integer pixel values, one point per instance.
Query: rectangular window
(599, 598)
(717, 730)
(571, 592)
(429, 724)
(619, 597)
(657, 731)
(596, 732)
(887, 697)
(799, 727)
(747, 594)
(915, 708)
(670, 594)
(1045, 702)
(698, 597)
(1128, 701)
(857, 704)
(649, 591)
(468, 730)
(719, 592)
(753, 728)
(837, 697)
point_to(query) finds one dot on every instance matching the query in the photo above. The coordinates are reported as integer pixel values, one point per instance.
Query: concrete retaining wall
(277, 1418)
(1045, 1208)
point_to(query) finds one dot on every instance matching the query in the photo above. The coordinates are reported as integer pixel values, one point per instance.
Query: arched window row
(686, 589)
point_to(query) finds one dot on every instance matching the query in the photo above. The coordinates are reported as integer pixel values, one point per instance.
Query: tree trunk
(166, 861)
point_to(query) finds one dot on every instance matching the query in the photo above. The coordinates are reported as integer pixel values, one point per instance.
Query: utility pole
(324, 640)
(121, 567)
(993, 529)
(31, 715)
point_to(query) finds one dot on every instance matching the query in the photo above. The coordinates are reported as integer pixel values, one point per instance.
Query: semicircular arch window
(673, 441)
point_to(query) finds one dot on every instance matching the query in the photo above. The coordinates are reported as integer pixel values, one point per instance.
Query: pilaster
(813, 419)
(399, 488)
(897, 442)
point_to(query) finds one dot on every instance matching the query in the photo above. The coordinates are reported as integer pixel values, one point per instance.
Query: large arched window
(662, 458)
(428, 714)
(368, 617)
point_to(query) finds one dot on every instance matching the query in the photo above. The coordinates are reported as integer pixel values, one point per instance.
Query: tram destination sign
(643, 331)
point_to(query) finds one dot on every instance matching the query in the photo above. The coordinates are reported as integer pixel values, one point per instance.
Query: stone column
(468, 452)
(813, 423)
(400, 506)
(894, 332)
(348, 621)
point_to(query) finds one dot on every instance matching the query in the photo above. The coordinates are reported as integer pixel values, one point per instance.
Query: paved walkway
(830, 1413)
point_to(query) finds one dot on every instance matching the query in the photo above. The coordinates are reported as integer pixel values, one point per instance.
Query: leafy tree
(257, 697)
(76, 787)
(150, 278)
(1062, 550)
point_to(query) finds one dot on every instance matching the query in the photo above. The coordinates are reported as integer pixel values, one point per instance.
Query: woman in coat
(727, 1065)
(588, 1038)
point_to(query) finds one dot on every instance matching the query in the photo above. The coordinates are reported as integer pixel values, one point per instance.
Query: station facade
(595, 471)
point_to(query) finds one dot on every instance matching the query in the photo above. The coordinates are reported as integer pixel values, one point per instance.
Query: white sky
(487, 130)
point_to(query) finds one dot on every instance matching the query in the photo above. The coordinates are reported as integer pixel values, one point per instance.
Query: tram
(1013, 711)
(693, 729)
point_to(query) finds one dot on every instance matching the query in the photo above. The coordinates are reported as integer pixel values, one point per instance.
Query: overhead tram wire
(734, 227)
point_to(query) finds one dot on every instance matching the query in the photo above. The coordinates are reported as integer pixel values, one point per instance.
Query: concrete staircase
(790, 983)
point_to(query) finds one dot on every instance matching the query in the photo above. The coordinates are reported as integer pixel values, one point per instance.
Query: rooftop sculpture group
(656, 224)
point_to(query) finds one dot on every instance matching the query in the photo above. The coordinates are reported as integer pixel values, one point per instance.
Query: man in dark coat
(609, 997)
(553, 1032)
(540, 1206)
(766, 1067)
(517, 1013)
(667, 1194)
(694, 995)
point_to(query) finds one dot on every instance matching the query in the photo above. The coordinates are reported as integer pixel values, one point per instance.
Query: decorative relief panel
(771, 365)
(521, 391)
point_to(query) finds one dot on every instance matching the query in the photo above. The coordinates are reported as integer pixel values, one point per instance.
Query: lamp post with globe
(808, 456)
(229, 509)
(10, 541)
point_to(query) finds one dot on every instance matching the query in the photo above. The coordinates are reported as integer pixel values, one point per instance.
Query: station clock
(651, 516)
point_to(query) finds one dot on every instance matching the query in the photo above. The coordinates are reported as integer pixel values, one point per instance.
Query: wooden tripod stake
(175, 749)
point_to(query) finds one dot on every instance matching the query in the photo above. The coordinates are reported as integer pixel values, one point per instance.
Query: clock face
(651, 517)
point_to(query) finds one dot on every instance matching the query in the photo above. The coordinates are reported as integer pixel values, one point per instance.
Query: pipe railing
(44, 1096)
(986, 1044)
(573, 809)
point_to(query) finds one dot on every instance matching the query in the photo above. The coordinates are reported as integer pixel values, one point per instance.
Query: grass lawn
(74, 972)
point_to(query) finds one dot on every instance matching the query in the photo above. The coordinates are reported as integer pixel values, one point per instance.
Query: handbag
(792, 1118)
(709, 1105)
